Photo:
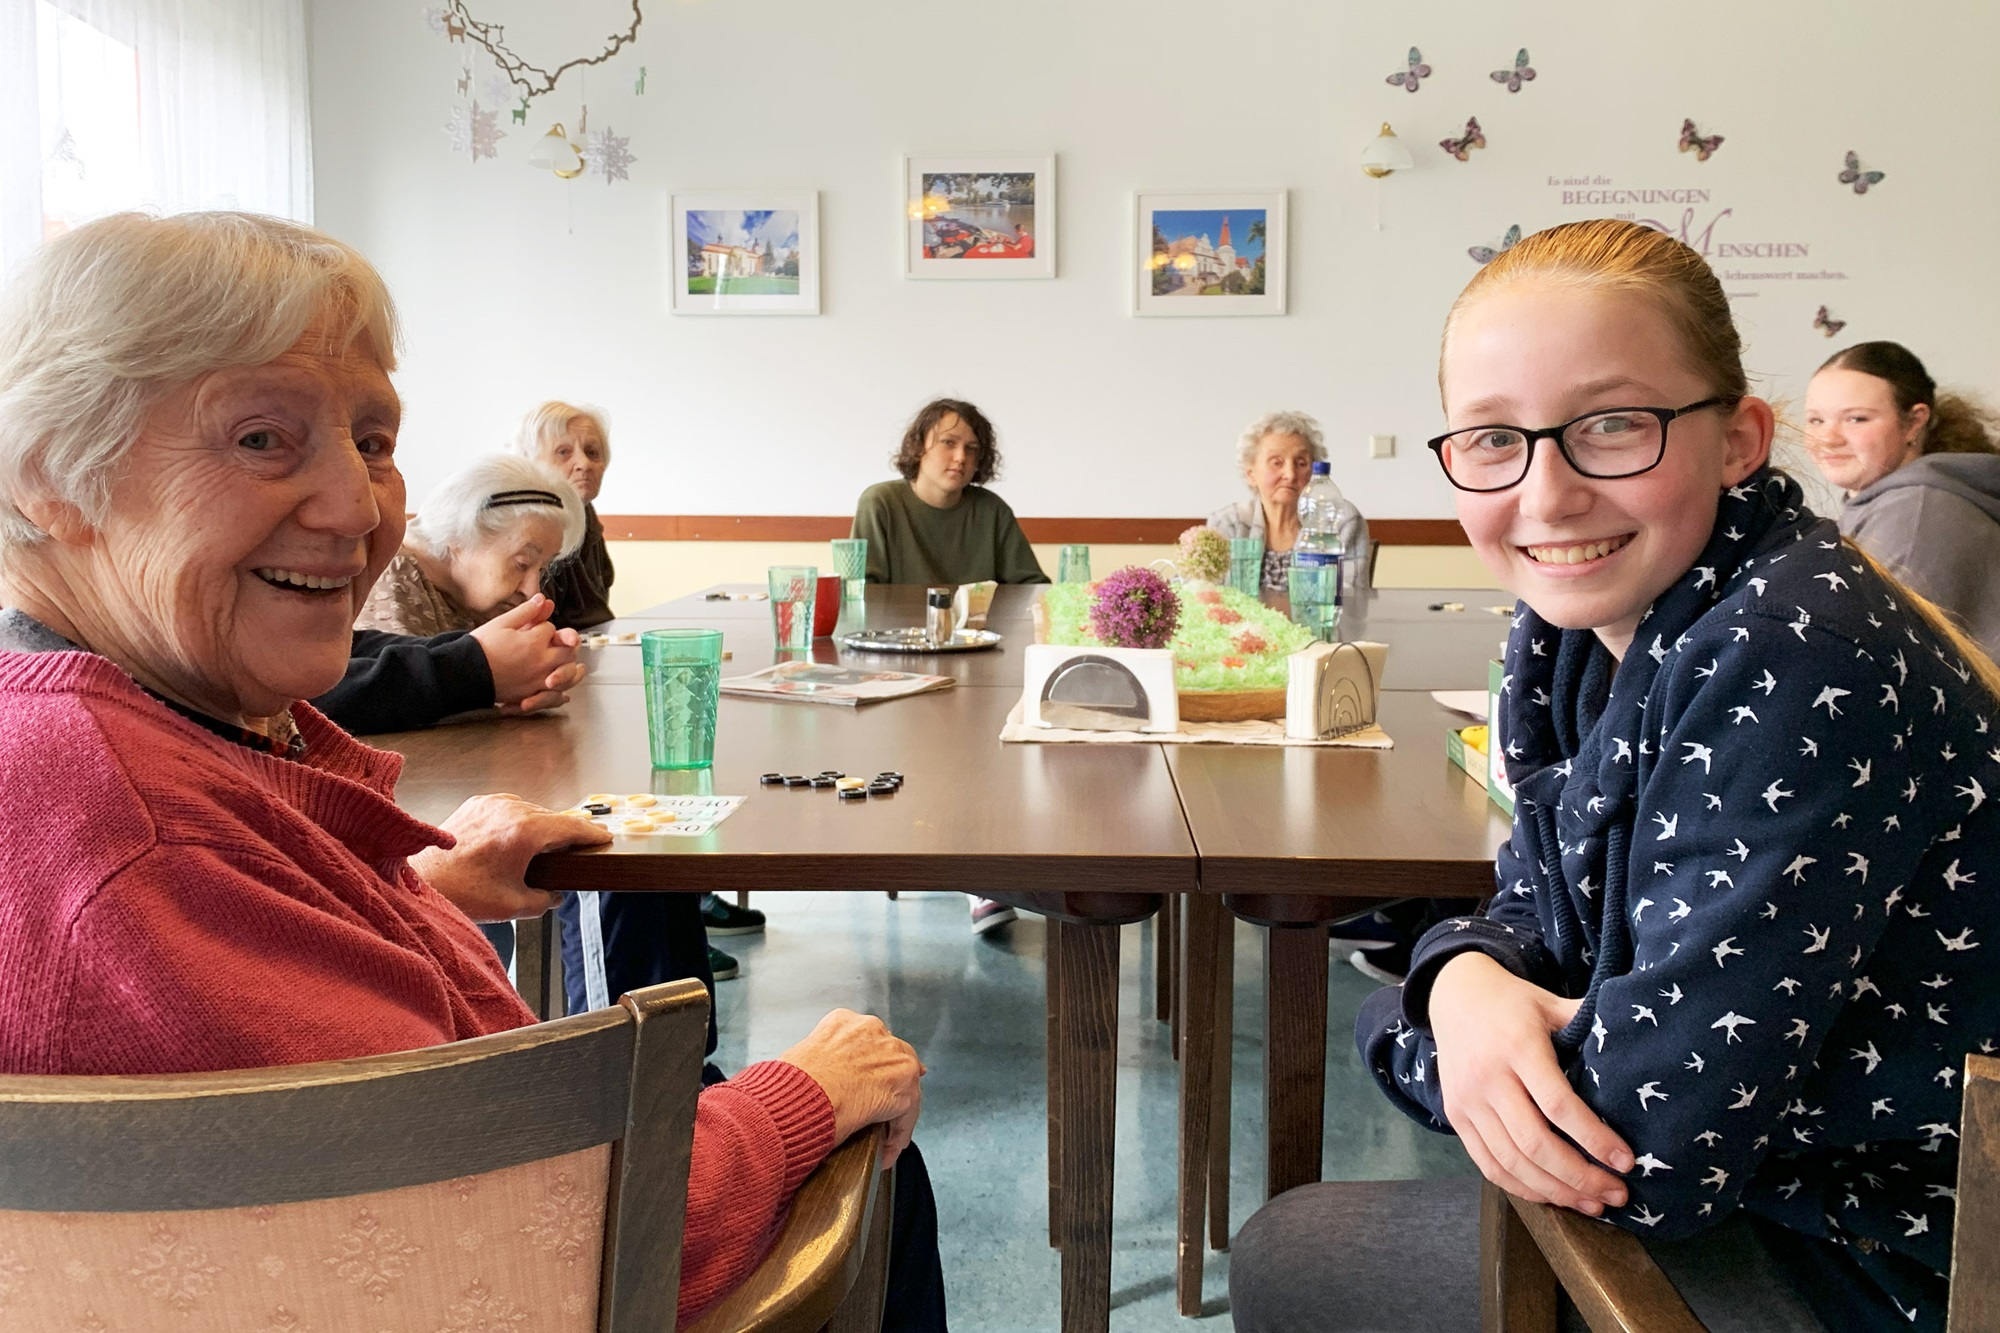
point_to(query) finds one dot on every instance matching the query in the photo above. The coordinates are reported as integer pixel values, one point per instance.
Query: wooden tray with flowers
(1230, 650)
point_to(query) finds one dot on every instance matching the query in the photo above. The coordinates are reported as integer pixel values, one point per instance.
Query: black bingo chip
(772, 779)
(888, 777)
(880, 789)
(795, 780)
(854, 794)
(597, 808)
(831, 773)
(822, 782)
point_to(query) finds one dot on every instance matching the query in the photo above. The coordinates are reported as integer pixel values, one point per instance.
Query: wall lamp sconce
(1386, 154)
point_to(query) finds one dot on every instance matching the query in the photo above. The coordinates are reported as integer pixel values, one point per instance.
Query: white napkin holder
(1333, 689)
(1094, 688)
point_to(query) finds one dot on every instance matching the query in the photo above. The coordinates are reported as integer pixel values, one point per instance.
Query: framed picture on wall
(746, 253)
(981, 216)
(1210, 252)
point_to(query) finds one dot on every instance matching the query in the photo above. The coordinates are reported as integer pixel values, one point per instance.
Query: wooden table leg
(1225, 1069)
(1166, 958)
(1295, 963)
(1203, 925)
(1052, 969)
(1087, 1029)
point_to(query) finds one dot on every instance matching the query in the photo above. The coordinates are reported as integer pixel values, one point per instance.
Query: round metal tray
(914, 640)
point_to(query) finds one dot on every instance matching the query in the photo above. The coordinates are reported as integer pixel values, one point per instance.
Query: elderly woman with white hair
(1275, 454)
(198, 487)
(476, 549)
(575, 441)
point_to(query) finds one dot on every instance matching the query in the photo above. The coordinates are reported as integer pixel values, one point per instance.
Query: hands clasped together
(533, 663)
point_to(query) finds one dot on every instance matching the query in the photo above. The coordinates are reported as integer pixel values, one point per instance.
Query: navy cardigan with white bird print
(1764, 850)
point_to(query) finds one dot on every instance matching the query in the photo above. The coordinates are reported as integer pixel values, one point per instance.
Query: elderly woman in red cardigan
(198, 486)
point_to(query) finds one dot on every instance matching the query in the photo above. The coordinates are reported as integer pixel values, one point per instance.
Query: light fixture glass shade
(554, 152)
(1386, 154)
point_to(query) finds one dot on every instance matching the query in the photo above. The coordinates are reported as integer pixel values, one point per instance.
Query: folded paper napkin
(971, 602)
(1191, 733)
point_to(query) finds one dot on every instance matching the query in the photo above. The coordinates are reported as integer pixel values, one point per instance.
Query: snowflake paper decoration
(609, 155)
(474, 131)
(434, 19)
(495, 89)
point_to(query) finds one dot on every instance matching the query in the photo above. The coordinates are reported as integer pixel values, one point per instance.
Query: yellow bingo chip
(642, 800)
(639, 826)
(600, 798)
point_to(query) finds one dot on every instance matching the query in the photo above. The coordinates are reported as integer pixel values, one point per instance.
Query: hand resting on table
(485, 875)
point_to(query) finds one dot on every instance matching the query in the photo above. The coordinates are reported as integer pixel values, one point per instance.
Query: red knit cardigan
(172, 902)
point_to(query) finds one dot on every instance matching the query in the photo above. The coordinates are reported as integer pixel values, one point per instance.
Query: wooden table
(1292, 839)
(1090, 836)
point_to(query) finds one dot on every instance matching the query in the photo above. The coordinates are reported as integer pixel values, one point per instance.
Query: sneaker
(989, 915)
(726, 918)
(720, 965)
(1369, 931)
(1388, 966)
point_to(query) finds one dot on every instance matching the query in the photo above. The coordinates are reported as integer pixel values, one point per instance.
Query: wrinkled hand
(533, 663)
(869, 1074)
(485, 875)
(1506, 1095)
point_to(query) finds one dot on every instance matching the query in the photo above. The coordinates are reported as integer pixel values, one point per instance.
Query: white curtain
(166, 105)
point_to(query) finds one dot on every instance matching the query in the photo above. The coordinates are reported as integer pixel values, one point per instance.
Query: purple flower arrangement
(1134, 608)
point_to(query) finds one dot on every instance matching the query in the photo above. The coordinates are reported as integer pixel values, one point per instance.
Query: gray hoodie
(1936, 523)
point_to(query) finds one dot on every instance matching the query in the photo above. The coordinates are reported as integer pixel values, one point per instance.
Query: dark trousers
(647, 938)
(914, 1302)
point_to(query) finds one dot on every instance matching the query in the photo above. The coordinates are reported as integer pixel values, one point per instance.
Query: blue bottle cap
(1322, 468)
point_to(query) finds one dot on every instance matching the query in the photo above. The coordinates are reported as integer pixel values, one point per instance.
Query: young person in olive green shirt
(940, 524)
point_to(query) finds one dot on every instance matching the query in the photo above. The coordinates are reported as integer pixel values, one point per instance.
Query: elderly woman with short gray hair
(575, 441)
(1275, 453)
(476, 549)
(198, 486)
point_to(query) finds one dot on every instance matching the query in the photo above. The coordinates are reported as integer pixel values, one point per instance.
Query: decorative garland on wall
(460, 25)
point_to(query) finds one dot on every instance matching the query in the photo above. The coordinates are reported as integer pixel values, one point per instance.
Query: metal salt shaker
(939, 620)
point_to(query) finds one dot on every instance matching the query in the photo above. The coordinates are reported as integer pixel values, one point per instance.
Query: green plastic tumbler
(850, 561)
(683, 683)
(1074, 566)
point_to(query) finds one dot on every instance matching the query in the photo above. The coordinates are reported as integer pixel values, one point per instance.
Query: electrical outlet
(1381, 446)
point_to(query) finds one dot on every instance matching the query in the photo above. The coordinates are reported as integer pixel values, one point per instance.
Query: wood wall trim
(1122, 531)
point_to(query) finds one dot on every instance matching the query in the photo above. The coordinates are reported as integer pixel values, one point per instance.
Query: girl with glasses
(1725, 988)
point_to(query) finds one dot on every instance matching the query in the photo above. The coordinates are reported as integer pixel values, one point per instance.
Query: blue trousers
(615, 942)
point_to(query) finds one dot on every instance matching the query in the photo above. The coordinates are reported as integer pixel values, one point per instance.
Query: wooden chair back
(1528, 1250)
(533, 1178)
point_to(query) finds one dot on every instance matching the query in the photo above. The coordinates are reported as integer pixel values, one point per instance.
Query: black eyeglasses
(1610, 443)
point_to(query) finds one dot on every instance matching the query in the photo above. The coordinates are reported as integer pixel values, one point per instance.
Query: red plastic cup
(826, 605)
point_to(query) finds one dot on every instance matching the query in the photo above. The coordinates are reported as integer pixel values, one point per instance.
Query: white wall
(516, 286)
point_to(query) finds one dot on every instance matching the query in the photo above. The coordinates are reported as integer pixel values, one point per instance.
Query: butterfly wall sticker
(1461, 147)
(1827, 324)
(1408, 79)
(1859, 179)
(1522, 72)
(1703, 146)
(1486, 254)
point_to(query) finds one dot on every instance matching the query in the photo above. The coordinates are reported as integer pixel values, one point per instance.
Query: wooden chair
(1528, 1250)
(535, 1178)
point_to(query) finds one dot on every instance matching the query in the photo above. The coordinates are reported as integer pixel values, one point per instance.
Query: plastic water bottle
(1319, 543)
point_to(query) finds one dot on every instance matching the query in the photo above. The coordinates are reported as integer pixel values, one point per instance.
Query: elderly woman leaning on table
(476, 549)
(576, 442)
(1276, 453)
(197, 487)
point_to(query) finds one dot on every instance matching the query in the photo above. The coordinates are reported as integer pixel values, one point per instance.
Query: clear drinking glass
(850, 561)
(683, 680)
(1075, 565)
(1315, 593)
(1246, 564)
(792, 591)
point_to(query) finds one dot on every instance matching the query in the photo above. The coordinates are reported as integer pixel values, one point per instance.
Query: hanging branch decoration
(533, 81)
(608, 155)
(639, 84)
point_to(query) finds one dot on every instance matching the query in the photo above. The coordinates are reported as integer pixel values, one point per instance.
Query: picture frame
(1209, 252)
(745, 252)
(979, 216)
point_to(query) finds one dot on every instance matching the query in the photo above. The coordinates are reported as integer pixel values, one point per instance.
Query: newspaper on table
(830, 683)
